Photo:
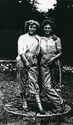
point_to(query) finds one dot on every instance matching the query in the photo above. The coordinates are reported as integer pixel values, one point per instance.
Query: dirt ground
(7, 94)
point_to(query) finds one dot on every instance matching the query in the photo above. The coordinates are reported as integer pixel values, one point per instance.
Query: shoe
(42, 112)
(54, 111)
(24, 106)
(26, 109)
(63, 106)
(59, 108)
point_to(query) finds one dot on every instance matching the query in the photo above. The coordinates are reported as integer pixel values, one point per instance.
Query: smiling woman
(32, 29)
(51, 50)
(28, 47)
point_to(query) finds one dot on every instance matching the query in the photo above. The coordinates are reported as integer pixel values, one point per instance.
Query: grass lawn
(8, 86)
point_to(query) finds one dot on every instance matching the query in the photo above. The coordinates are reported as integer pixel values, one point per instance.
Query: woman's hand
(27, 64)
(54, 58)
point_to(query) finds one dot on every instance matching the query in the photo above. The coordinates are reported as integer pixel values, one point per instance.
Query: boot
(24, 102)
(59, 108)
(24, 106)
(37, 97)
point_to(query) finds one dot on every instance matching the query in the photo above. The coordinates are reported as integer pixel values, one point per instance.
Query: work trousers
(49, 91)
(28, 78)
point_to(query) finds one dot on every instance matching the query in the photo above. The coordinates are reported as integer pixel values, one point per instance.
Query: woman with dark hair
(50, 49)
(28, 50)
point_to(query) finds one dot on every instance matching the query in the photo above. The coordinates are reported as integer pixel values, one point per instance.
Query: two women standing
(29, 47)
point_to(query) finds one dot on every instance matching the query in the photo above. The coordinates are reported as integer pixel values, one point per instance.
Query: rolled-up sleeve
(58, 44)
(20, 46)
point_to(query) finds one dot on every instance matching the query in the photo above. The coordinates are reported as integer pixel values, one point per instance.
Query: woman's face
(47, 29)
(32, 29)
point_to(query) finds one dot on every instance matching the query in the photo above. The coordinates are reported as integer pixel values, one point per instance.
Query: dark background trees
(13, 14)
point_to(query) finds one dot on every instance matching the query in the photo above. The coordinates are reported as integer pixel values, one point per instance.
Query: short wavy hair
(48, 21)
(30, 22)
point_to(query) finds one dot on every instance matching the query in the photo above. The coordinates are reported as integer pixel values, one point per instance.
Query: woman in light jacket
(28, 50)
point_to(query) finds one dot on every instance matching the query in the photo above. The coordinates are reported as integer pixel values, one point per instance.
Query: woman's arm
(56, 57)
(22, 50)
(59, 50)
(25, 60)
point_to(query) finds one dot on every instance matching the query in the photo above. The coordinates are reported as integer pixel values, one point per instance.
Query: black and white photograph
(36, 62)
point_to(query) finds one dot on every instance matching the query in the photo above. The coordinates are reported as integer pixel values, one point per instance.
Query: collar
(47, 38)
